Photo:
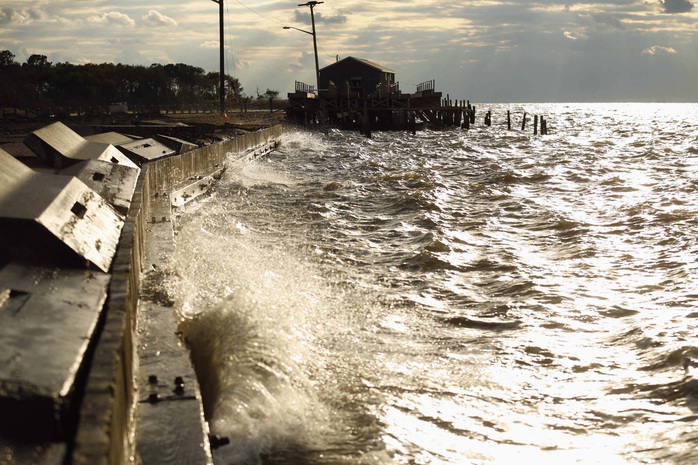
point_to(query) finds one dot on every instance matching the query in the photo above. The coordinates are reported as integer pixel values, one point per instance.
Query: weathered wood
(523, 122)
(366, 122)
(535, 125)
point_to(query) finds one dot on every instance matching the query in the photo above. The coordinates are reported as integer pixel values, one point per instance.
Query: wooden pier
(394, 112)
(353, 111)
(359, 94)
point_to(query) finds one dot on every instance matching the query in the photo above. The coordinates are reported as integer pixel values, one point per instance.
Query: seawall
(117, 391)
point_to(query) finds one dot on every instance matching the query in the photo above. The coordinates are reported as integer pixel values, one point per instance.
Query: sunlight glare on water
(453, 297)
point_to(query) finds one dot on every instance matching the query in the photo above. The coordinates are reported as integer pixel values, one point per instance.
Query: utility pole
(222, 56)
(312, 19)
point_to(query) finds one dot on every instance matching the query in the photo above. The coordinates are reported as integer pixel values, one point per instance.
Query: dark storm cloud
(676, 6)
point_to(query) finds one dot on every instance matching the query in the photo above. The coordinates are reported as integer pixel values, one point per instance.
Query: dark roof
(366, 62)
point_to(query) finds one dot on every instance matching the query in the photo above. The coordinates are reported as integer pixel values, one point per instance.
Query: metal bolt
(152, 379)
(217, 441)
(179, 385)
(154, 398)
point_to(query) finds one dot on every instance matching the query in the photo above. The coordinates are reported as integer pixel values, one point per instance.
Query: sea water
(453, 297)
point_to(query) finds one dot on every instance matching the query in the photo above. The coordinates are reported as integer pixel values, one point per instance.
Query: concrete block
(114, 183)
(60, 146)
(48, 318)
(178, 145)
(111, 137)
(32, 453)
(54, 219)
(145, 150)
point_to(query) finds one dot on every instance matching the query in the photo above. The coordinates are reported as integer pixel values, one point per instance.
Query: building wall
(342, 72)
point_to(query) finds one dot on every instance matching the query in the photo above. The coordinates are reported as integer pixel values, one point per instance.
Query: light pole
(222, 56)
(312, 19)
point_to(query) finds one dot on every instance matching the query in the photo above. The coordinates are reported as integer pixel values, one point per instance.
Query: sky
(481, 50)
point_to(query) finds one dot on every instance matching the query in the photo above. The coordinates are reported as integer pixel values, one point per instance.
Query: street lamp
(312, 19)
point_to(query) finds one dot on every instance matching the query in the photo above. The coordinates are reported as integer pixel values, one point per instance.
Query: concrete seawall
(117, 397)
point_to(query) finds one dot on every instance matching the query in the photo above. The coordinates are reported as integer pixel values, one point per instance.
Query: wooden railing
(427, 85)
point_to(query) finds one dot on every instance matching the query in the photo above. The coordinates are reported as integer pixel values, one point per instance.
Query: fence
(304, 88)
(426, 86)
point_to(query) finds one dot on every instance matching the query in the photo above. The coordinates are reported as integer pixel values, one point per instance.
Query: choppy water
(454, 297)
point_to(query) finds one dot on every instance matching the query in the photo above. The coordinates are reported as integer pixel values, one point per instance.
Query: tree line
(38, 83)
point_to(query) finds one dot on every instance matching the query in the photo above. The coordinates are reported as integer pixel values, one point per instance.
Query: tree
(7, 58)
(39, 82)
(10, 79)
(271, 94)
(38, 70)
(38, 60)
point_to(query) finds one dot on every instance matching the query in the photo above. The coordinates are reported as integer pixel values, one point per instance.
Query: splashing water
(453, 297)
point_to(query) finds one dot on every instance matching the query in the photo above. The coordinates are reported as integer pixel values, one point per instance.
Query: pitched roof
(366, 62)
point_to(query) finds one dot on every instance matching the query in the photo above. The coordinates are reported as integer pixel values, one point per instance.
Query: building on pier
(360, 94)
(358, 78)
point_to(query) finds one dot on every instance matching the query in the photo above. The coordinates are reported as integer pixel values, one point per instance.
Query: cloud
(22, 16)
(15, 16)
(575, 35)
(211, 44)
(154, 18)
(134, 57)
(113, 18)
(337, 18)
(659, 50)
(676, 6)
(608, 20)
(304, 62)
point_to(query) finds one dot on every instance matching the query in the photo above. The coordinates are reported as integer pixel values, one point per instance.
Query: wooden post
(523, 123)
(535, 125)
(366, 122)
(509, 120)
(472, 115)
(412, 123)
(466, 120)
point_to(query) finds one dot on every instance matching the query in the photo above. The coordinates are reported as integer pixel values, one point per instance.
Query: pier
(358, 94)
(401, 112)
